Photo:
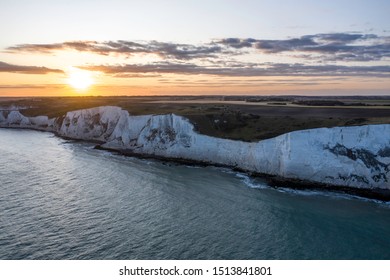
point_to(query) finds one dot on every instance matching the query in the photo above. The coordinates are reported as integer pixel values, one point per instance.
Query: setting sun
(80, 79)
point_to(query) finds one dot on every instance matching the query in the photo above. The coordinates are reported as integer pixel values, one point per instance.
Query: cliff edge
(357, 157)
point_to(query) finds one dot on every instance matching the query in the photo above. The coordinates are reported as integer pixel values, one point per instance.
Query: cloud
(29, 86)
(333, 53)
(136, 75)
(333, 46)
(5, 67)
(162, 49)
(280, 69)
(237, 43)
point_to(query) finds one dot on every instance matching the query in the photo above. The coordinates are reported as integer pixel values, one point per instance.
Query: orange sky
(51, 49)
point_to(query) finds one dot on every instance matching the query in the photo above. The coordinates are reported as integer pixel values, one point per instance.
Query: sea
(62, 199)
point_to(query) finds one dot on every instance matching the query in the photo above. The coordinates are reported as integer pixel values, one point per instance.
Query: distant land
(246, 118)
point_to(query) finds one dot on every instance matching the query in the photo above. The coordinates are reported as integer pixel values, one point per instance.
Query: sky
(118, 47)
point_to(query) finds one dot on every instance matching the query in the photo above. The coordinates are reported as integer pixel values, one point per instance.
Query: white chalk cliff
(356, 156)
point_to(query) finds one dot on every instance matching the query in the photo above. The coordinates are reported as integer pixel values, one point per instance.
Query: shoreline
(273, 181)
(352, 160)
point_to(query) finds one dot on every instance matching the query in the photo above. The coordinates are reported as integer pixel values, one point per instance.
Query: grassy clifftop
(231, 118)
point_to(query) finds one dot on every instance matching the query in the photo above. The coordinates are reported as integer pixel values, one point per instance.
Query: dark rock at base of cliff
(273, 181)
(375, 193)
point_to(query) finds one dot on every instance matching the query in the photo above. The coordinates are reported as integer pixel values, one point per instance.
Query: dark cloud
(237, 43)
(166, 50)
(184, 51)
(343, 37)
(333, 46)
(284, 45)
(243, 71)
(5, 67)
(40, 48)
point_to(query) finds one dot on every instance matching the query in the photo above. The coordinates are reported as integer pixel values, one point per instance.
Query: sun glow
(80, 79)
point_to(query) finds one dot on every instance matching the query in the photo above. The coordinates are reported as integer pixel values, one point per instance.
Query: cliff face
(16, 119)
(346, 156)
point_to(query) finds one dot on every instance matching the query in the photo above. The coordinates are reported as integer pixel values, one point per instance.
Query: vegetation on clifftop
(221, 117)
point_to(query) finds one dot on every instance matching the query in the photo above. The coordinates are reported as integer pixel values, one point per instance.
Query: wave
(251, 182)
(255, 184)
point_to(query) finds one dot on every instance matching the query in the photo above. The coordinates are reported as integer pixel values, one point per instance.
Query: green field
(222, 117)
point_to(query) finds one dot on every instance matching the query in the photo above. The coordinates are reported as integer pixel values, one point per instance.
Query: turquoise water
(65, 200)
